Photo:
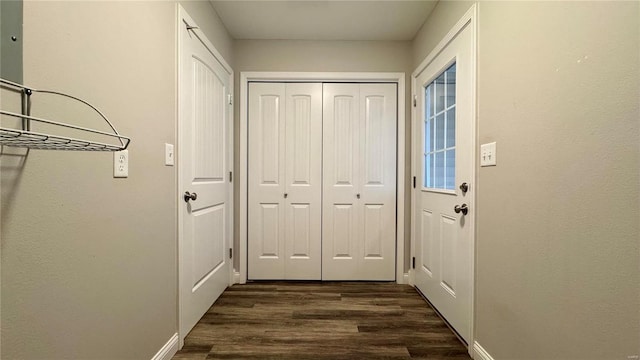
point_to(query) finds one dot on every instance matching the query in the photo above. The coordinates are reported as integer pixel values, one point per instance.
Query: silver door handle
(189, 196)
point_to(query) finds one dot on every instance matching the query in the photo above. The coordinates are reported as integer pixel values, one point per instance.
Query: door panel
(341, 154)
(303, 178)
(378, 113)
(359, 198)
(443, 249)
(204, 162)
(266, 181)
(285, 157)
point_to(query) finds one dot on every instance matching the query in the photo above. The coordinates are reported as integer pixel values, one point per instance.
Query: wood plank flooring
(321, 320)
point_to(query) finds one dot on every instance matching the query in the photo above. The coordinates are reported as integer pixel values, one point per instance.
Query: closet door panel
(266, 182)
(303, 181)
(378, 114)
(341, 154)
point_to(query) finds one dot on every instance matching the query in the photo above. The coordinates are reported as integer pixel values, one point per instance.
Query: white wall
(89, 263)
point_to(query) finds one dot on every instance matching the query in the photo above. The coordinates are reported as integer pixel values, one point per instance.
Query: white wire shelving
(28, 138)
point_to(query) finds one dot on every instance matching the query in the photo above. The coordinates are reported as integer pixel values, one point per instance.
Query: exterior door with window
(444, 206)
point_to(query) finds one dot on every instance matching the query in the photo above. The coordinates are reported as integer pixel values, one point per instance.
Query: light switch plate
(121, 164)
(168, 154)
(488, 154)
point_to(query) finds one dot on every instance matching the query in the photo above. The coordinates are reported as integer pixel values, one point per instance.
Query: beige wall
(557, 268)
(89, 262)
(327, 56)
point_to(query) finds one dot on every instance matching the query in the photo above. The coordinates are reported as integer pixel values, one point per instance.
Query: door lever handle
(189, 196)
(461, 209)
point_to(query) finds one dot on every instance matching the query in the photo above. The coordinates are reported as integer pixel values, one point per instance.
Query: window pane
(450, 171)
(451, 128)
(439, 132)
(428, 100)
(439, 170)
(450, 77)
(439, 87)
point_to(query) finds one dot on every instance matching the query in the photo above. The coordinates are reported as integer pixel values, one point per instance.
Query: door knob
(461, 209)
(464, 187)
(358, 196)
(189, 196)
(285, 195)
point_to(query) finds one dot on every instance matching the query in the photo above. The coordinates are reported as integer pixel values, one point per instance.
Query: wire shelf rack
(26, 138)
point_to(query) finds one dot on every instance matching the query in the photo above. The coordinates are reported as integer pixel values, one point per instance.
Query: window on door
(440, 132)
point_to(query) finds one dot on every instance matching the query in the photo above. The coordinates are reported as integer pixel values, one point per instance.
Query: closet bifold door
(284, 181)
(359, 181)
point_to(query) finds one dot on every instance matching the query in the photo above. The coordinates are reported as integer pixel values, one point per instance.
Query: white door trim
(184, 18)
(470, 19)
(382, 77)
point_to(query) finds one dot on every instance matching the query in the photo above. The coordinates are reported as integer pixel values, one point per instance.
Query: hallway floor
(321, 320)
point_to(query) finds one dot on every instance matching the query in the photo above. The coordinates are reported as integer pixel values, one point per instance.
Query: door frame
(183, 19)
(469, 19)
(345, 77)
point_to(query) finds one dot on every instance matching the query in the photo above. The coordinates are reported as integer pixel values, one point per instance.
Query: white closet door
(341, 154)
(303, 181)
(285, 181)
(359, 201)
(377, 181)
(266, 181)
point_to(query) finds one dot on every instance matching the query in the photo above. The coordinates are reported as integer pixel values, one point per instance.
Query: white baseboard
(405, 278)
(479, 353)
(236, 277)
(168, 350)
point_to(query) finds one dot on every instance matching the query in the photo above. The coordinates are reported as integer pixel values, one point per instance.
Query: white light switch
(121, 164)
(168, 154)
(488, 154)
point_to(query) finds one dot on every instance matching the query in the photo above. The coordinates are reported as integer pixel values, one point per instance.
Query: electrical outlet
(488, 154)
(121, 164)
(168, 154)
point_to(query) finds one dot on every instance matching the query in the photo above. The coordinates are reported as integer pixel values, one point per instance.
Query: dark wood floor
(321, 320)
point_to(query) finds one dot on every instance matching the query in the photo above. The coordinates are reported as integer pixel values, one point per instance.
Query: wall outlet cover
(121, 164)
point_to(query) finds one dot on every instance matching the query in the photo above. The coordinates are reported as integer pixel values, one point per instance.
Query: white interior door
(284, 181)
(359, 172)
(444, 211)
(204, 160)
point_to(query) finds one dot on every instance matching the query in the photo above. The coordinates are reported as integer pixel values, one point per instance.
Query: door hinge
(413, 262)
(415, 100)
(231, 176)
(230, 99)
(230, 253)
(414, 182)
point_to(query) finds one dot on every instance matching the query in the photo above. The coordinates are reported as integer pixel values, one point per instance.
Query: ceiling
(323, 20)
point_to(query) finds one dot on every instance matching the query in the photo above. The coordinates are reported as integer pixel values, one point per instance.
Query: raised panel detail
(374, 144)
(448, 236)
(269, 116)
(344, 125)
(302, 137)
(373, 231)
(208, 124)
(208, 247)
(301, 230)
(342, 230)
(427, 242)
(270, 236)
